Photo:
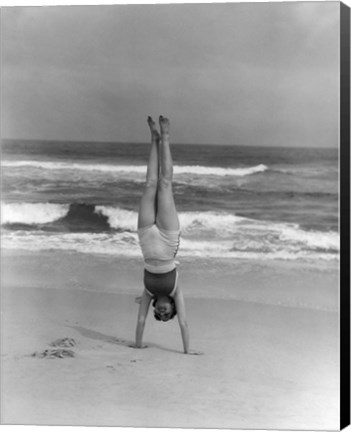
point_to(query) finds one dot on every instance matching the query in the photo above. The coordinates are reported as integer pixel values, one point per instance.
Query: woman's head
(164, 308)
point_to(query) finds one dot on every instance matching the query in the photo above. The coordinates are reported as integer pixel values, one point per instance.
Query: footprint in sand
(64, 342)
(54, 353)
(115, 340)
(111, 368)
(58, 351)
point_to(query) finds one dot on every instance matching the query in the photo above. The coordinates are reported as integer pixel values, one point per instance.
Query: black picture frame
(344, 215)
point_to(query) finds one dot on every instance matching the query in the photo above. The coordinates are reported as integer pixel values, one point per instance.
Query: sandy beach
(268, 331)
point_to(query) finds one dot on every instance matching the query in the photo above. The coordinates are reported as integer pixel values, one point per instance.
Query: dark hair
(174, 309)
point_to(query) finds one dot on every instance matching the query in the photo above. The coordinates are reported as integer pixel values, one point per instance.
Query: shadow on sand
(94, 335)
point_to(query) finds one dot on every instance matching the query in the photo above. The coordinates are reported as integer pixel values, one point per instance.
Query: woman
(159, 232)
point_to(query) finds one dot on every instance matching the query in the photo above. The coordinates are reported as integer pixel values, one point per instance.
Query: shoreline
(245, 280)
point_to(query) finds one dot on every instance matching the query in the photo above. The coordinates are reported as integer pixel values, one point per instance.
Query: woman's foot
(164, 125)
(155, 136)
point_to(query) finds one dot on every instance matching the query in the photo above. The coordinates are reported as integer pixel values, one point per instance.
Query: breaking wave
(113, 230)
(141, 169)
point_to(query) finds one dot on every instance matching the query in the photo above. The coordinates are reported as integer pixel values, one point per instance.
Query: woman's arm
(143, 310)
(179, 301)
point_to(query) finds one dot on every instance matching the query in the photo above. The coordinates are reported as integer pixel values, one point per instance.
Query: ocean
(233, 202)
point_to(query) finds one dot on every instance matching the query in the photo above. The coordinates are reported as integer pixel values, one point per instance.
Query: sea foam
(32, 213)
(119, 218)
(43, 213)
(217, 234)
(138, 169)
(126, 244)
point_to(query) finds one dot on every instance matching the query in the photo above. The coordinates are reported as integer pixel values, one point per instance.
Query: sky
(233, 73)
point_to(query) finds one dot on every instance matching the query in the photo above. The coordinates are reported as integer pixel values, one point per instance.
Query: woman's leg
(148, 203)
(166, 216)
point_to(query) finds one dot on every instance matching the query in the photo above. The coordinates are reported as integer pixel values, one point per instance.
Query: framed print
(175, 215)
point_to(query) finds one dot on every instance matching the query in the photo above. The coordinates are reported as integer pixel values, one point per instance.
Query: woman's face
(164, 309)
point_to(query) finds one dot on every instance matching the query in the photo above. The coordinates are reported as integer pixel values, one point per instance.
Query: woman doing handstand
(159, 233)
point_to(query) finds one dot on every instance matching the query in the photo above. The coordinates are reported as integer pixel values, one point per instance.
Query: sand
(268, 331)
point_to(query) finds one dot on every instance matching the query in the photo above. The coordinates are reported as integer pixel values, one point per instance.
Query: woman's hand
(194, 353)
(137, 346)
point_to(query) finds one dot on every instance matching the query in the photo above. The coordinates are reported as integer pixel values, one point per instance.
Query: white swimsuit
(159, 248)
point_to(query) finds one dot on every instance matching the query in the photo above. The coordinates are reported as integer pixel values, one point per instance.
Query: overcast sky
(241, 73)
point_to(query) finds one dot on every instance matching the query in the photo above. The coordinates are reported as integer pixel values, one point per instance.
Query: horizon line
(174, 143)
